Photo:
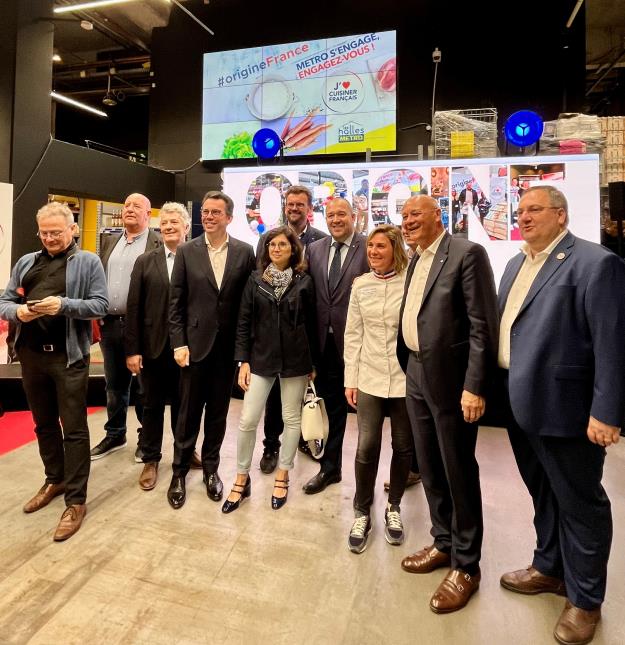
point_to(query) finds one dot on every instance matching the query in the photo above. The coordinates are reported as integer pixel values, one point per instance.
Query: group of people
(405, 324)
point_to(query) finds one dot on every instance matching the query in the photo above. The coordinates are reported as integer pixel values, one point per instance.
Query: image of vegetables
(287, 124)
(238, 146)
(305, 137)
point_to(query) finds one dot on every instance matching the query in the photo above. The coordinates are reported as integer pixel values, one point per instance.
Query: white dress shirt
(518, 292)
(218, 257)
(414, 297)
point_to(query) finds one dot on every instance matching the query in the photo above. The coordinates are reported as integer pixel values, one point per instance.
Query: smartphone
(30, 303)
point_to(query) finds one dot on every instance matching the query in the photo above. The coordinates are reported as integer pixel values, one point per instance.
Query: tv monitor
(327, 96)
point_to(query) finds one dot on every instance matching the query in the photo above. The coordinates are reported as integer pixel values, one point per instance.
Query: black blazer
(277, 337)
(332, 307)
(457, 322)
(147, 313)
(110, 241)
(198, 310)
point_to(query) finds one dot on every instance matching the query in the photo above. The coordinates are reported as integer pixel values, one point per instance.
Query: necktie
(335, 267)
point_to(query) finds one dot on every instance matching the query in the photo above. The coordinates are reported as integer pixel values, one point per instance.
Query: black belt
(47, 348)
(113, 317)
(418, 356)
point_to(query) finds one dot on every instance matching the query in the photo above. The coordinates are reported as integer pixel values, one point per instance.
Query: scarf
(279, 280)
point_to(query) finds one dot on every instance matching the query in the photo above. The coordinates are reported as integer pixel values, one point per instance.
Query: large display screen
(326, 96)
(478, 197)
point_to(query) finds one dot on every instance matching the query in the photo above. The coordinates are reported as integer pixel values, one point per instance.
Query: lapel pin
(560, 256)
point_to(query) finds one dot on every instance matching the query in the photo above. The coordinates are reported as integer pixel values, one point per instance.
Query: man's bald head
(136, 213)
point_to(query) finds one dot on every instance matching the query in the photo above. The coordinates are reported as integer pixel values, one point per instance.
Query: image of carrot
(302, 125)
(305, 134)
(287, 124)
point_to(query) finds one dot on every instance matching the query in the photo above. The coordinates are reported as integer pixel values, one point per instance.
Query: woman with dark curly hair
(276, 338)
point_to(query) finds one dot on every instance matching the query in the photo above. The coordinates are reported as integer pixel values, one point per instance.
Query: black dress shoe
(176, 493)
(243, 492)
(279, 502)
(269, 461)
(214, 486)
(320, 481)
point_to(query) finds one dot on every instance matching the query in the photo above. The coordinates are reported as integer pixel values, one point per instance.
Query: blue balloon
(523, 128)
(261, 229)
(266, 143)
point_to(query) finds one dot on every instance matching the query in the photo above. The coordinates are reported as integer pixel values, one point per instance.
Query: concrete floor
(140, 572)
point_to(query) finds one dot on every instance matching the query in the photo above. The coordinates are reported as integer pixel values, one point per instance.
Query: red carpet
(17, 429)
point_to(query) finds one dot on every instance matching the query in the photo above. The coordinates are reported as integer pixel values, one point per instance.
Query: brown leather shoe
(149, 475)
(70, 521)
(576, 626)
(43, 497)
(196, 461)
(531, 581)
(454, 592)
(426, 560)
(413, 478)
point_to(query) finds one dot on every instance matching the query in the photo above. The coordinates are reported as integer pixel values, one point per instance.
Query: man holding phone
(52, 296)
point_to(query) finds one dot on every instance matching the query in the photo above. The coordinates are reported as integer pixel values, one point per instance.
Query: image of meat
(387, 75)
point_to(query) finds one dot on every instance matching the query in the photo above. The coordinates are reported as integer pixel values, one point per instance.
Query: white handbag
(315, 425)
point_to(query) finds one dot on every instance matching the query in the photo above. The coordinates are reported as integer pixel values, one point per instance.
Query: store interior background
(489, 59)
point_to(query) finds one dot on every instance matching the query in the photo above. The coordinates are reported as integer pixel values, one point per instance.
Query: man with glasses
(207, 283)
(119, 253)
(562, 361)
(447, 345)
(334, 262)
(298, 214)
(52, 296)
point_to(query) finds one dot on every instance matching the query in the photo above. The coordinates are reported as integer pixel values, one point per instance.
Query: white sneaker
(394, 529)
(357, 541)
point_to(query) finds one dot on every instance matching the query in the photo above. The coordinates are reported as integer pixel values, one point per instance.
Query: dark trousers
(572, 515)
(160, 378)
(205, 386)
(117, 377)
(371, 411)
(330, 386)
(55, 391)
(445, 446)
(273, 419)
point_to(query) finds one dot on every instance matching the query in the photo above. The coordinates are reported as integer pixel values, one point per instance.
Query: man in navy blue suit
(562, 356)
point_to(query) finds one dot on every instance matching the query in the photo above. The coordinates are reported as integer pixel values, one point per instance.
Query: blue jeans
(117, 376)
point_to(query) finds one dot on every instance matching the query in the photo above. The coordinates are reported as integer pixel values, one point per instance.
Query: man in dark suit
(447, 346)
(333, 263)
(298, 213)
(207, 283)
(562, 356)
(118, 255)
(148, 349)
(468, 197)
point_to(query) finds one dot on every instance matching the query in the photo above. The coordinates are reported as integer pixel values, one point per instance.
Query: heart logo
(346, 84)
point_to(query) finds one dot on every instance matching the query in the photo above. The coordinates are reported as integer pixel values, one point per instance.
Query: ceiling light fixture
(576, 8)
(87, 25)
(57, 58)
(81, 6)
(109, 98)
(83, 106)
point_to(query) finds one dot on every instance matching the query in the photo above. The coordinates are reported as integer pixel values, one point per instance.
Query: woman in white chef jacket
(374, 382)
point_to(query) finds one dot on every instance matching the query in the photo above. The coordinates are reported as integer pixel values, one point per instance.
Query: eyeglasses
(535, 210)
(53, 235)
(278, 245)
(213, 213)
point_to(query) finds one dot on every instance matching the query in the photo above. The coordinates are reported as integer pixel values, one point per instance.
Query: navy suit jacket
(332, 307)
(567, 344)
(198, 310)
(457, 322)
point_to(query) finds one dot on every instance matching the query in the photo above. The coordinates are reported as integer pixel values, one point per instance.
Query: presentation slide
(478, 198)
(334, 95)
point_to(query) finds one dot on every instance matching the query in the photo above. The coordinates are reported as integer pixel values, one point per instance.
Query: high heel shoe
(279, 502)
(243, 491)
